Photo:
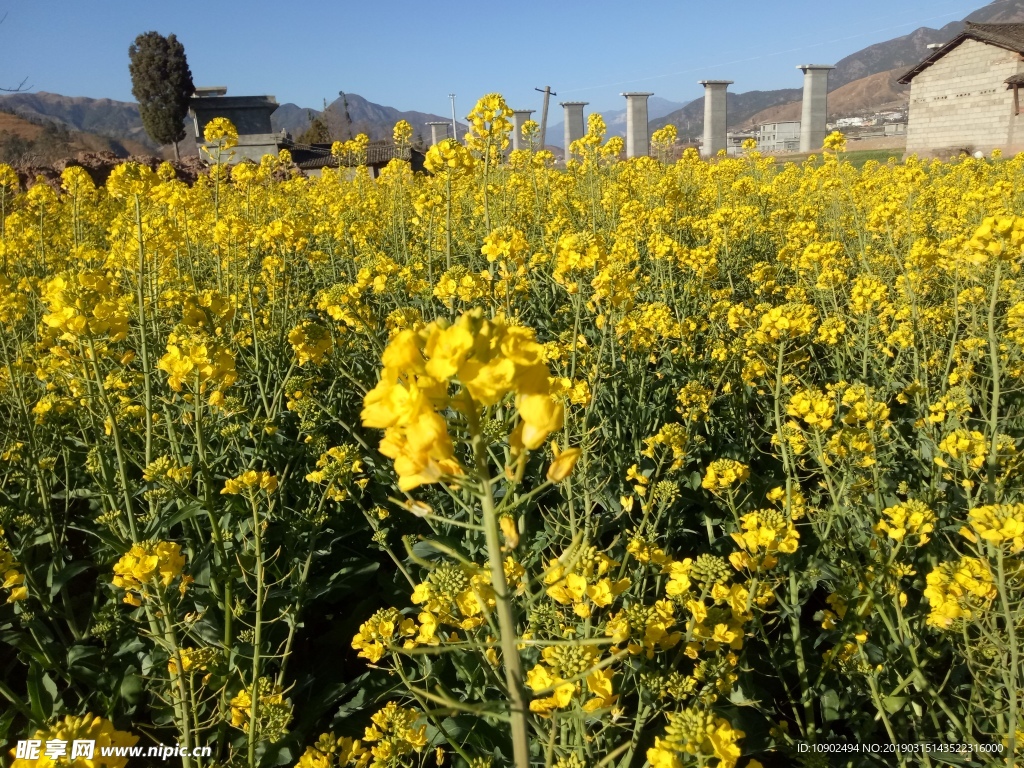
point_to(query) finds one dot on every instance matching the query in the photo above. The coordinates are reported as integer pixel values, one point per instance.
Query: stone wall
(249, 114)
(962, 102)
(877, 142)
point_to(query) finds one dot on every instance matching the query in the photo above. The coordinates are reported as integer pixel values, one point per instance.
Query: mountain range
(860, 83)
(351, 114)
(864, 81)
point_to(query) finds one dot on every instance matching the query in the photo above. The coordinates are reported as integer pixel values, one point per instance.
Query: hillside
(40, 140)
(862, 82)
(105, 117)
(906, 51)
(741, 107)
(119, 121)
(868, 75)
(867, 95)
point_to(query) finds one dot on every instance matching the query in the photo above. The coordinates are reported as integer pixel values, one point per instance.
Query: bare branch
(21, 86)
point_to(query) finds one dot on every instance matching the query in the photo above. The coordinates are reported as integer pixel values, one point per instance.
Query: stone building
(256, 138)
(249, 114)
(963, 97)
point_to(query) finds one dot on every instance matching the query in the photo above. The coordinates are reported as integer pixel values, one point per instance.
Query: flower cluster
(724, 474)
(394, 734)
(765, 534)
(698, 733)
(271, 713)
(13, 579)
(959, 591)
(250, 482)
(147, 567)
(581, 579)
(332, 751)
(913, 519)
(489, 359)
(336, 469)
(74, 728)
(562, 673)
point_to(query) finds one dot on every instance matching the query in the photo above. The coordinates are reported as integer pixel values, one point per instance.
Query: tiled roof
(308, 157)
(1008, 36)
(309, 160)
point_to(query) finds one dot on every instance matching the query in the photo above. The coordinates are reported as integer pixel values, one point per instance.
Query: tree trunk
(177, 157)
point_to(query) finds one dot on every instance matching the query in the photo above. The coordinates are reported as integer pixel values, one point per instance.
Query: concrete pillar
(638, 142)
(814, 114)
(519, 116)
(575, 128)
(716, 118)
(438, 132)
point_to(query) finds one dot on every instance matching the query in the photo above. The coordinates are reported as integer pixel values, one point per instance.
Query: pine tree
(162, 84)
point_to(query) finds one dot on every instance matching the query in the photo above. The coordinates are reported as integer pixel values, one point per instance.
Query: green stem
(506, 620)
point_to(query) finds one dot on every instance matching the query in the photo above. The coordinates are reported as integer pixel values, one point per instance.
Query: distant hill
(105, 117)
(863, 82)
(32, 140)
(353, 114)
(906, 51)
(119, 121)
(739, 106)
(874, 93)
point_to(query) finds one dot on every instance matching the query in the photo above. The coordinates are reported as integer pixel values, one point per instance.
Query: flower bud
(563, 464)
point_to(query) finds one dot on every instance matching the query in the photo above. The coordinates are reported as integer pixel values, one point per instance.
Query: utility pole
(548, 93)
(455, 128)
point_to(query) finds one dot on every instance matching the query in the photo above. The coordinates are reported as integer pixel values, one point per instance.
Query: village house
(964, 96)
(311, 159)
(251, 117)
(779, 137)
(249, 114)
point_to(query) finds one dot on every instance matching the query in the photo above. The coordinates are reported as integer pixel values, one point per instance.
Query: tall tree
(162, 84)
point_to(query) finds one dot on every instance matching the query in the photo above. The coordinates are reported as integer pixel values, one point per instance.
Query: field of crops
(622, 464)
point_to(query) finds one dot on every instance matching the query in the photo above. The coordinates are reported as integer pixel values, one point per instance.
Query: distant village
(963, 99)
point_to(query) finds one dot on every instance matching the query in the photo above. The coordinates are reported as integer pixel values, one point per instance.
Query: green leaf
(42, 693)
(131, 688)
(894, 704)
(5, 724)
(830, 705)
(65, 574)
(185, 513)
(79, 653)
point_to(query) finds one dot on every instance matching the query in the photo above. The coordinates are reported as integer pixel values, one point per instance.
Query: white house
(779, 137)
(963, 97)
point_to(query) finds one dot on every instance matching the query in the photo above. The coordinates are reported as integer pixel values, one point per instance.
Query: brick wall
(961, 101)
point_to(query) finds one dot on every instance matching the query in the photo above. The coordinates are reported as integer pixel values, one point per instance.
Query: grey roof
(309, 156)
(1008, 36)
(233, 102)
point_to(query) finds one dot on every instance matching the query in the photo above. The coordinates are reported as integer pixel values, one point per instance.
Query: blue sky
(412, 55)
